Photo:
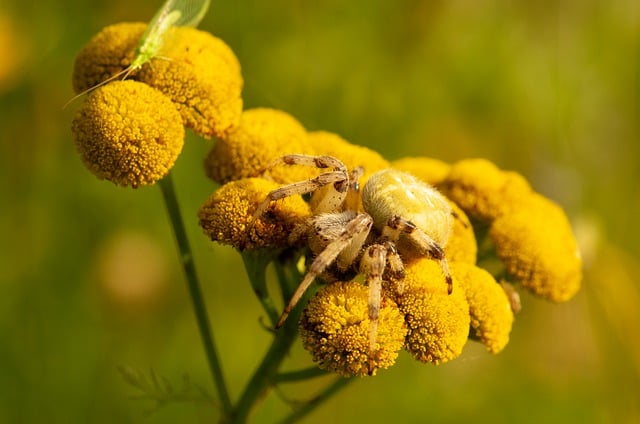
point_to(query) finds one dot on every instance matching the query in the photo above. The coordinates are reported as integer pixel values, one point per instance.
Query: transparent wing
(190, 13)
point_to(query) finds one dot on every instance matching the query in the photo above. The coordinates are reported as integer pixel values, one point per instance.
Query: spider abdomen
(390, 193)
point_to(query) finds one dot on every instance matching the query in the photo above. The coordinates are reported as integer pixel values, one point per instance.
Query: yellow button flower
(106, 54)
(226, 217)
(334, 328)
(438, 323)
(537, 245)
(262, 136)
(489, 306)
(462, 245)
(128, 133)
(201, 75)
(482, 190)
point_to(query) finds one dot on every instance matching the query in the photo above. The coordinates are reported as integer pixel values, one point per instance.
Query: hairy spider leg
(348, 238)
(398, 225)
(372, 265)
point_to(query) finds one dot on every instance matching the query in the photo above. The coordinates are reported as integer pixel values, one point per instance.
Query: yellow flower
(201, 75)
(262, 136)
(128, 133)
(226, 217)
(438, 323)
(462, 245)
(489, 306)
(107, 53)
(431, 171)
(538, 248)
(482, 190)
(327, 143)
(334, 328)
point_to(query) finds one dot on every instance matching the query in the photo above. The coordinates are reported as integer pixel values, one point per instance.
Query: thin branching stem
(202, 319)
(308, 407)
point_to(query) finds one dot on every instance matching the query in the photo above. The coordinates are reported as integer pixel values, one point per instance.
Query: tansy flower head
(201, 75)
(489, 306)
(334, 328)
(438, 323)
(226, 217)
(538, 248)
(106, 54)
(462, 245)
(261, 136)
(431, 171)
(128, 133)
(482, 190)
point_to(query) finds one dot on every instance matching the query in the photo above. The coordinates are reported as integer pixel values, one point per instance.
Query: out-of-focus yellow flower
(482, 190)
(226, 217)
(462, 245)
(334, 328)
(431, 171)
(489, 306)
(353, 156)
(537, 246)
(201, 75)
(438, 323)
(262, 136)
(128, 133)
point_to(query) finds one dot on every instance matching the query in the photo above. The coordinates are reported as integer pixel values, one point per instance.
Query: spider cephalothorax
(368, 231)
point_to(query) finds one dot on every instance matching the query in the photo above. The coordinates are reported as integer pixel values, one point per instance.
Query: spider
(352, 232)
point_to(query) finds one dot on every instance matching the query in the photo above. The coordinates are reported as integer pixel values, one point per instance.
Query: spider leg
(308, 160)
(398, 225)
(303, 187)
(395, 267)
(372, 264)
(357, 226)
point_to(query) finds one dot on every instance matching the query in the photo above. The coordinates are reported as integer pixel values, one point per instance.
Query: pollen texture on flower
(262, 136)
(106, 54)
(438, 323)
(334, 328)
(537, 245)
(489, 306)
(226, 217)
(201, 75)
(128, 133)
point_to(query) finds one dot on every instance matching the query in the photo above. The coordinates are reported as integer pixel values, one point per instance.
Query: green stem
(263, 377)
(186, 256)
(304, 374)
(255, 263)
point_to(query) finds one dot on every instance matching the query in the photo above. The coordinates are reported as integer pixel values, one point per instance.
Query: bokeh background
(89, 278)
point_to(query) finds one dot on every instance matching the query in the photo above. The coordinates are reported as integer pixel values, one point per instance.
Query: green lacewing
(172, 13)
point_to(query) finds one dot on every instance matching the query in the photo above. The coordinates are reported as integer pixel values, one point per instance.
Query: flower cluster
(131, 131)
(416, 312)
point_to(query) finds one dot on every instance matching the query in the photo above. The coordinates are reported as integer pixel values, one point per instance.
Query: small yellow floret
(438, 323)
(537, 245)
(353, 156)
(262, 136)
(107, 53)
(334, 328)
(462, 245)
(226, 216)
(482, 190)
(128, 133)
(489, 306)
(201, 75)
(431, 171)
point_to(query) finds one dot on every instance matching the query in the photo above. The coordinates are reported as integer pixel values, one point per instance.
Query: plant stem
(309, 406)
(186, 256)
(255, 263)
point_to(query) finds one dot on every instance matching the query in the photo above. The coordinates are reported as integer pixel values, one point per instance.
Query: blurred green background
(89, 278)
